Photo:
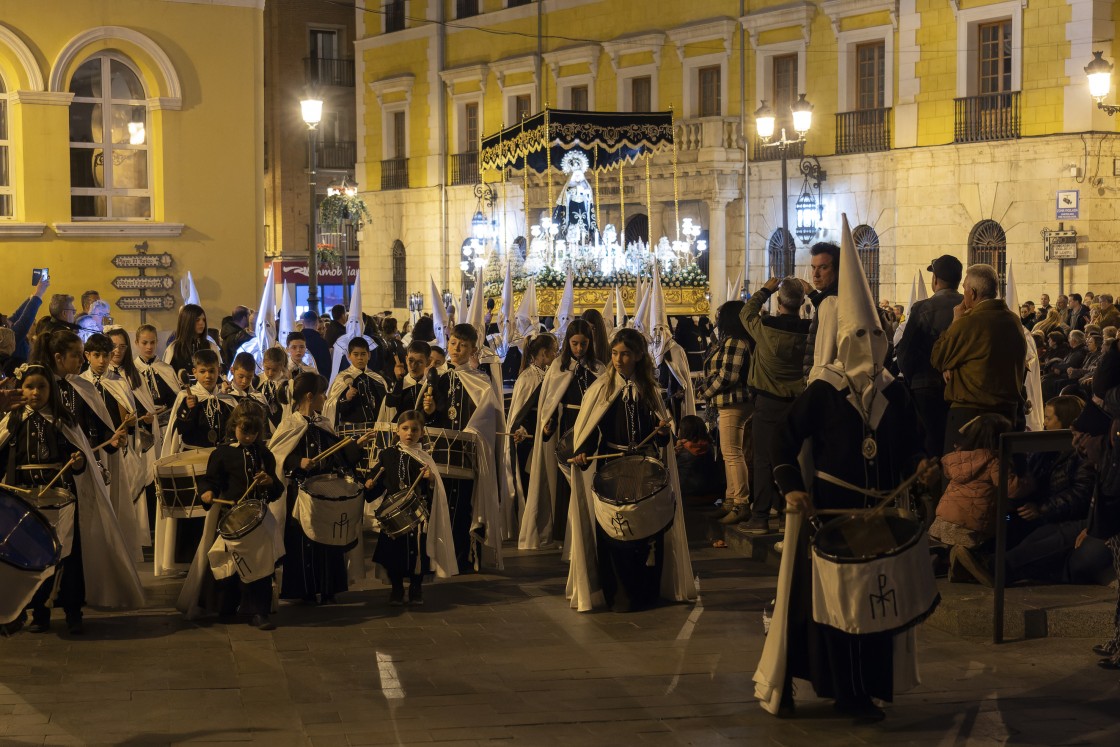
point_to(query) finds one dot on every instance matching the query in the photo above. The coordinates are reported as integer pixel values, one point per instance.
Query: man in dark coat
(316, 345)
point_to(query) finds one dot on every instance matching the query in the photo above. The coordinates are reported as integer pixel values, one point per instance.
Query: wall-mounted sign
(1069, 204)
(146, 303)
(144, 282)
(137, 261)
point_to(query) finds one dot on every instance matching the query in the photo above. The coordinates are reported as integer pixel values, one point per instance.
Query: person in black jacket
(316, 345)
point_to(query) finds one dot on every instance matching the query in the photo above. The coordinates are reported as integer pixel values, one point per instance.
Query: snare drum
(249, 545)
(873, 575)
(565, 447)
(29, 551)
(177, 483)
(454, 453)
(57, 506)
(402, 513)
(631, 500)
(329, 508)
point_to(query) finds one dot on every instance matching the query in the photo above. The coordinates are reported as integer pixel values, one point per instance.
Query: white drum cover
(251, 557)
(62, 521)
(329, 522)
(887, 594)
(636, 521)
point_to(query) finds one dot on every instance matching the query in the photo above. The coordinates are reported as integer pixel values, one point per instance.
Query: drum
(29, 551)
(565, 447)
(871, 574)
(177, 483)
(57, 505)
(402, 512)
(384, 434)
(244, 544)
(454, 452)
(329, 508)
(631, 500)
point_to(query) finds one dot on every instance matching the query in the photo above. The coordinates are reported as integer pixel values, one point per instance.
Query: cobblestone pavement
(503, 659)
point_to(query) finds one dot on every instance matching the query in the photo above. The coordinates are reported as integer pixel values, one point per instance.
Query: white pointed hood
(619, 309)
(354, 326)
(565, 312)
(534, 312)
(188, 291)
(657, 321)
(523, 320)
(474, 315)
(508, 332)
(921, 290)
(439, 314)
(641, 314)
(861, 343)
(265, 330)
(287, 323)
(1033, 379)
(608, 315)
(735, 289)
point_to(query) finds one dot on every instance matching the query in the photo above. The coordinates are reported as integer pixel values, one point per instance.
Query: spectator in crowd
(316, 345)
(87, 300)
(1050, 323)
(1026, 316)
(1054, 510)
(235, 332)
(725, 388)
(1062, 306)
(700, 468)
(1044, 305)
(687, 335)
(1078, 314)
(821, 346)
(1057, 345)
(336, 327)
(62, 311)
(1110, 315)
(776, 379)
(982, 356)
(899, 314)
(928, 319)
(424, 330)
(1090, 298)
(23, 318)
(1059, 373)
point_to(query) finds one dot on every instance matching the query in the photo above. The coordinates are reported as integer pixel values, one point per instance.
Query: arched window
(637, 229)
(780, 251)
(867, 247)
(987, 244)
(109, 164)
(6, 207)
(400, 276)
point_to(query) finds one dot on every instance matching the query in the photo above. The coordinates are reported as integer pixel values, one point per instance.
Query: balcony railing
(993, 116)
(321, 71)
(707, 132)
(764, 152)
(864, 131)
(394, 173)
(464, 168)
(394, 16)
(339, 154)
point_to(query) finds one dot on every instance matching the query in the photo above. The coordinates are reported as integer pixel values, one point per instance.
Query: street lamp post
(802, 112)
(349, 189)
(312, 110)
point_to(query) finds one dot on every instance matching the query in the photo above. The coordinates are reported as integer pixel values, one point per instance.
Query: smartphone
(39, 274)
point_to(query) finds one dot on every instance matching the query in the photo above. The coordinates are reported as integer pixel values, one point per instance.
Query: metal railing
(1010, 444)
(764, 152)
(394, 16)
(993, 116)
(339, 154)
(320, 71)
(394, 173)
(863, 131)
(464, 168)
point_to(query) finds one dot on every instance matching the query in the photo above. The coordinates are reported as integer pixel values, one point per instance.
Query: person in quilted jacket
(966, 513)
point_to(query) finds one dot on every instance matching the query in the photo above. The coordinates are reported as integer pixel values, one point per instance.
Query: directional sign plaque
(144, 282)
(136, 261)
(146, 303)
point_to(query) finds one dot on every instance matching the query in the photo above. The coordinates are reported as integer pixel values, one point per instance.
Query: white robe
(341, 383)
(583, 589)
(528, 382)
(111, 581)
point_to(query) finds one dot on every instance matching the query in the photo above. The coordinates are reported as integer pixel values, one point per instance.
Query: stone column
(717, 250)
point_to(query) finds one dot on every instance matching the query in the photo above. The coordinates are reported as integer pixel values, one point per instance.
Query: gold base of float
(684, 301)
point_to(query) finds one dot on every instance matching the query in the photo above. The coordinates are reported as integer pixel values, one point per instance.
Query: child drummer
(428, 548)
(234, 467)
(200, 414)
(357, 392)
(274, 384)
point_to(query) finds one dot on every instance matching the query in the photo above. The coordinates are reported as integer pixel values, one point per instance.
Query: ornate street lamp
(764, 122)
(312, 110)
(1099, 72)
(345, 188)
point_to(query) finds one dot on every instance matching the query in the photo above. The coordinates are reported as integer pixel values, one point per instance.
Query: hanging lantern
(806, 207)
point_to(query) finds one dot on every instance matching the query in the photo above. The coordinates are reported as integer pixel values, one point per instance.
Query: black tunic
(310, 567)
(403, 397)
(276, 397)
(841, 665)
(454, 409)
(203, 425)
(399, 555)
(365, 407)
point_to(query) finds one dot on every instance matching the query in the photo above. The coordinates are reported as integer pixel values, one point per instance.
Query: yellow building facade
(132, 121)
(939, 126)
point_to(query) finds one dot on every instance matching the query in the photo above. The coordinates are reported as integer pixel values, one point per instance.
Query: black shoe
(416, 595)
(74, 626)
(328, 599)
(1107, 650)
(227, 617)
(786, 707)
(396, 597)
(862, 709)
(1110, 662)
(39, 623)
(261, 622)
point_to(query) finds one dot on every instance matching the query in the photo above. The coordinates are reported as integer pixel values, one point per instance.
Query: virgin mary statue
(575, 207)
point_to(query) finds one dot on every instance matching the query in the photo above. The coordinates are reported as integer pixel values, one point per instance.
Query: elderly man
(1059, 372)
(61, 310)
(1110, 315)
(982, 356)
(928, 319)
(1062, 305)
(820, 349)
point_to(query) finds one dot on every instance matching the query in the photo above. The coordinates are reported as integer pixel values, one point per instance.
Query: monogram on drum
(884, 596)
(622, 524)
(340, 529)
(243, 567)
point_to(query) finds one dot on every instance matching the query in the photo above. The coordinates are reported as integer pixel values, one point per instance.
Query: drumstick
(120, 429)
(332, 450)
(601, 456)
(223, 501)
(503, 433)
(50, 484)
(252, 486)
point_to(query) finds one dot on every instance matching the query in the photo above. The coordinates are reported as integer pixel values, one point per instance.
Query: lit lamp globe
(764, 121)
(312, 111)
(802, 115)
(479, 226)
(1100, 76)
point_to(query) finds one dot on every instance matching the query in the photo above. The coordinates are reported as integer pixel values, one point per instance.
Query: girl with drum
(627, 556)
(525, 404)
(562, 394)
(159, 378)
(190, 337)
(61, 353)
(148, 433)
(238, 471)
(313, 571)
(41, 446)
(415, 539)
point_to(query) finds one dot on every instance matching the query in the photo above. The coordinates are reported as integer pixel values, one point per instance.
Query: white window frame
(460, 119)
(968, 22)
(340, 38)
(848, 67)
(764, 68)
(6, 142)
(574, 81)
(108, 192)
(510, 94)
(626, 92)
(388, 111)
(691, 75)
